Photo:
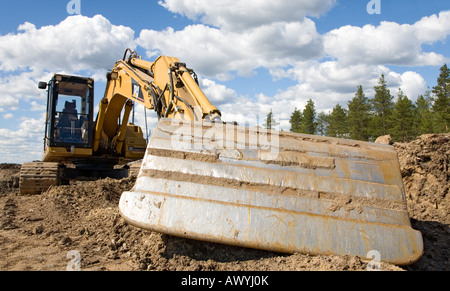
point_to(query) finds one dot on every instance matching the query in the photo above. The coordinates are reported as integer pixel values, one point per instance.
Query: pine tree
(382, 105)
(323, 121)
(296, 121)
(309, 125)
(270, 122)
(441, 106)
(359, 116)
(338, 126)
(403, 129)
(423, 115)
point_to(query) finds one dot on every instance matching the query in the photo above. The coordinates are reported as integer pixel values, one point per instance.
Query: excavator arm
(165, 86)
(76, 145)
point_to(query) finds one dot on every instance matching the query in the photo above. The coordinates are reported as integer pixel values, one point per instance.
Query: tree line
(366, 119)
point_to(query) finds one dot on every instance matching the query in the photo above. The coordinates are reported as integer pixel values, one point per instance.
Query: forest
(366, 119)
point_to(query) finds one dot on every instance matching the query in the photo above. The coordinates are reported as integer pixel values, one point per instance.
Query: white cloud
(20, 87)
(247, 34)
(9, 102)
(433, 28)
(218, 53)
(243, 14)
(413, 85)
(216, 93)
(8, 116)
(390, 44)
(77, 43)
(37, 107)
(333, 76)
(24, 144)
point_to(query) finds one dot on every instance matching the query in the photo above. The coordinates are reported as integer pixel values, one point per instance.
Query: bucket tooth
(273, 191)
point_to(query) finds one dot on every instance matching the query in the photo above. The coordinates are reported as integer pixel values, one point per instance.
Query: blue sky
(252, 56)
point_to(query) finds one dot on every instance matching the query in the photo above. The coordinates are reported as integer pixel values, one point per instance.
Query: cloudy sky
(251, 55)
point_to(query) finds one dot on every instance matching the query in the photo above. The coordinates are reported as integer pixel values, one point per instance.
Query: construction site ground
(78, 226)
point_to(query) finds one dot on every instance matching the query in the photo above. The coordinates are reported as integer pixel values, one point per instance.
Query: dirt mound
(84, 217)
(79, 226)
(9, 178)
(425, 166)
(425, 169)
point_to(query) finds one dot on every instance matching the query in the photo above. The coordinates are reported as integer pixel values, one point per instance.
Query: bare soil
(80, 222)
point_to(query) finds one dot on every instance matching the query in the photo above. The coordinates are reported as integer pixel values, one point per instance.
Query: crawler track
(37, 177)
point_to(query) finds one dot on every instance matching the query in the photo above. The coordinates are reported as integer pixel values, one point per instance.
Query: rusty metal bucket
(273, 191)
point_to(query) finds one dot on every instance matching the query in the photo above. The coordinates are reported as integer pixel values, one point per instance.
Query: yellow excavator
(205, 179)
(76, 145)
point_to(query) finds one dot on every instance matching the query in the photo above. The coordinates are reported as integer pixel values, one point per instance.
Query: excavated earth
(78, 226)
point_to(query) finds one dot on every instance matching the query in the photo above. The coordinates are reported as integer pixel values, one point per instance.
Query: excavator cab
(69, 139)
(69, 123)
(69, 133)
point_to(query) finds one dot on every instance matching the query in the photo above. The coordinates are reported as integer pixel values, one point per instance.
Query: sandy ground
(78, 226)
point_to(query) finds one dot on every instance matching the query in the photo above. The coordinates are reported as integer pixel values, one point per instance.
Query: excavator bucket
(274, 191)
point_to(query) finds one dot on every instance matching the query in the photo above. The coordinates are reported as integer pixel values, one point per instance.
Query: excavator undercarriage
(37, 177)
